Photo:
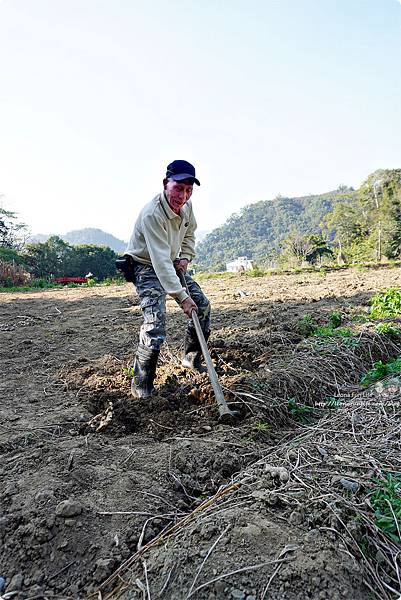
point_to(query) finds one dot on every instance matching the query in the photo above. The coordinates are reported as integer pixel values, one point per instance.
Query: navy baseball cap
(179, 170)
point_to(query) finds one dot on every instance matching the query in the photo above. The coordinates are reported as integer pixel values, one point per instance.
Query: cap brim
(182, 176)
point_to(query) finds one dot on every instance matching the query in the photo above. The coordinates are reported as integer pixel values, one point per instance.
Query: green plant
(255, 272)
(300, 412)
(32, 286)
(112, 281)
(328, 331)
(306, 326)
(388, 329)
(262, 427)
(216, 275)
(335, 319)
(259, 385)
(386, 304)
(381, 370)
(386, 500)
(128, 372)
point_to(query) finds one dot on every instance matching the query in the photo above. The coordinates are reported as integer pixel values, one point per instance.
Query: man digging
(162, 242)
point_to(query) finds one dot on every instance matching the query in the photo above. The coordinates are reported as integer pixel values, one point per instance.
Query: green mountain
(259, 229)
(89, 235)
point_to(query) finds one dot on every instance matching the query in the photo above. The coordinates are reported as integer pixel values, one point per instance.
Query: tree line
(346, 225)
(20, 262)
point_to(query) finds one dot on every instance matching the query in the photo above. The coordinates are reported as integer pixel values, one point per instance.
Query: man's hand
(181, 264)
(188, 305)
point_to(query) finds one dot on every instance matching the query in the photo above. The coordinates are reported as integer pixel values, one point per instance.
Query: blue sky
(263, 96)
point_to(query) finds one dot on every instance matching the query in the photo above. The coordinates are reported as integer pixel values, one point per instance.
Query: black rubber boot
(144, 372)
(193, 353)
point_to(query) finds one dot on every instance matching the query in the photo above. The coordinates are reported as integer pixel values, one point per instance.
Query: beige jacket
(159, 237)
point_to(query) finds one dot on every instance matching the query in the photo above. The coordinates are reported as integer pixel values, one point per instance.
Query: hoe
(226, 414)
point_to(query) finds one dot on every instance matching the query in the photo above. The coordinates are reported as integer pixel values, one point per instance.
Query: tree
(98, 260)
(319, 249)
(48, 259)
(12, 233)
(12, 239)
(380, 197)
(346, 223)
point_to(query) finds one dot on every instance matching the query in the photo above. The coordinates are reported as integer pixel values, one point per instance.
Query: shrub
(12, 274)
(335, 319)
(306, 326)
(386, 500)
(386, 304)
(300, 412)
(388, 329)
(255, 272)
(381, 370)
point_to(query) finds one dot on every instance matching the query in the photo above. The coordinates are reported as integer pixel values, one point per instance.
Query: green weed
(300, 412)
(306, 326)
(262, 427)
(381, 370)
(386, 304)
(255, 272)
(128, 372)
(335, 319)
(112, 281)
(217, 275)
(388, 329)
(328, 331)
(386, 500)
(36, 284)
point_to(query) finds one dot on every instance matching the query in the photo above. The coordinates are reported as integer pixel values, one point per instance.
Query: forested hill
(258, 230)
(89, 235)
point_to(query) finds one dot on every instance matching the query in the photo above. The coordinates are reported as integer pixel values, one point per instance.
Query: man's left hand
(181, 264)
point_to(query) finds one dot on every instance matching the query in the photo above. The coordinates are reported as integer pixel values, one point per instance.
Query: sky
(264, 97)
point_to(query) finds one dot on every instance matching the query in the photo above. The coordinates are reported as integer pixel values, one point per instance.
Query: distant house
(240, 264)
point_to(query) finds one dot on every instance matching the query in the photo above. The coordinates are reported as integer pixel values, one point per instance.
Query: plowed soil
(79, 495)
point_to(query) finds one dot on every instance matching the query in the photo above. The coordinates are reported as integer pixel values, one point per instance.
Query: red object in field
(70, 280)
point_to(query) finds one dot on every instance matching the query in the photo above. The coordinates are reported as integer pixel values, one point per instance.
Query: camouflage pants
(153, 305)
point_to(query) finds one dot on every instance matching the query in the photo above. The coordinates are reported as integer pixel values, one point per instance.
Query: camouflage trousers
(153, 305)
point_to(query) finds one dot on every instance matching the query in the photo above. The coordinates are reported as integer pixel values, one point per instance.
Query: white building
(240, 264)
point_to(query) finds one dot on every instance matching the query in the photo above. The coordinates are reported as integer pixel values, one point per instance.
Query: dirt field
(77, 504)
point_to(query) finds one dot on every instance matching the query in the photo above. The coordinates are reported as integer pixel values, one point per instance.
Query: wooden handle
(218, 392)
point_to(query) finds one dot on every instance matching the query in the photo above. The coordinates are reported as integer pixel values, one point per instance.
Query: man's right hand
(188, 305)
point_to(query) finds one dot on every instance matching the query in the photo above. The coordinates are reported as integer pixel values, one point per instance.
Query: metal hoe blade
(226, 414)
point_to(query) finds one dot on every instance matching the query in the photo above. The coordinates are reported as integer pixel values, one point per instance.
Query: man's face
(178, 193)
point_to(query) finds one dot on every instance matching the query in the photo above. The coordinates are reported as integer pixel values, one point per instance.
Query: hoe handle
(218, 392)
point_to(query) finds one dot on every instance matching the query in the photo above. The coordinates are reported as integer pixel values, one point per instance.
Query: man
(162, 242)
